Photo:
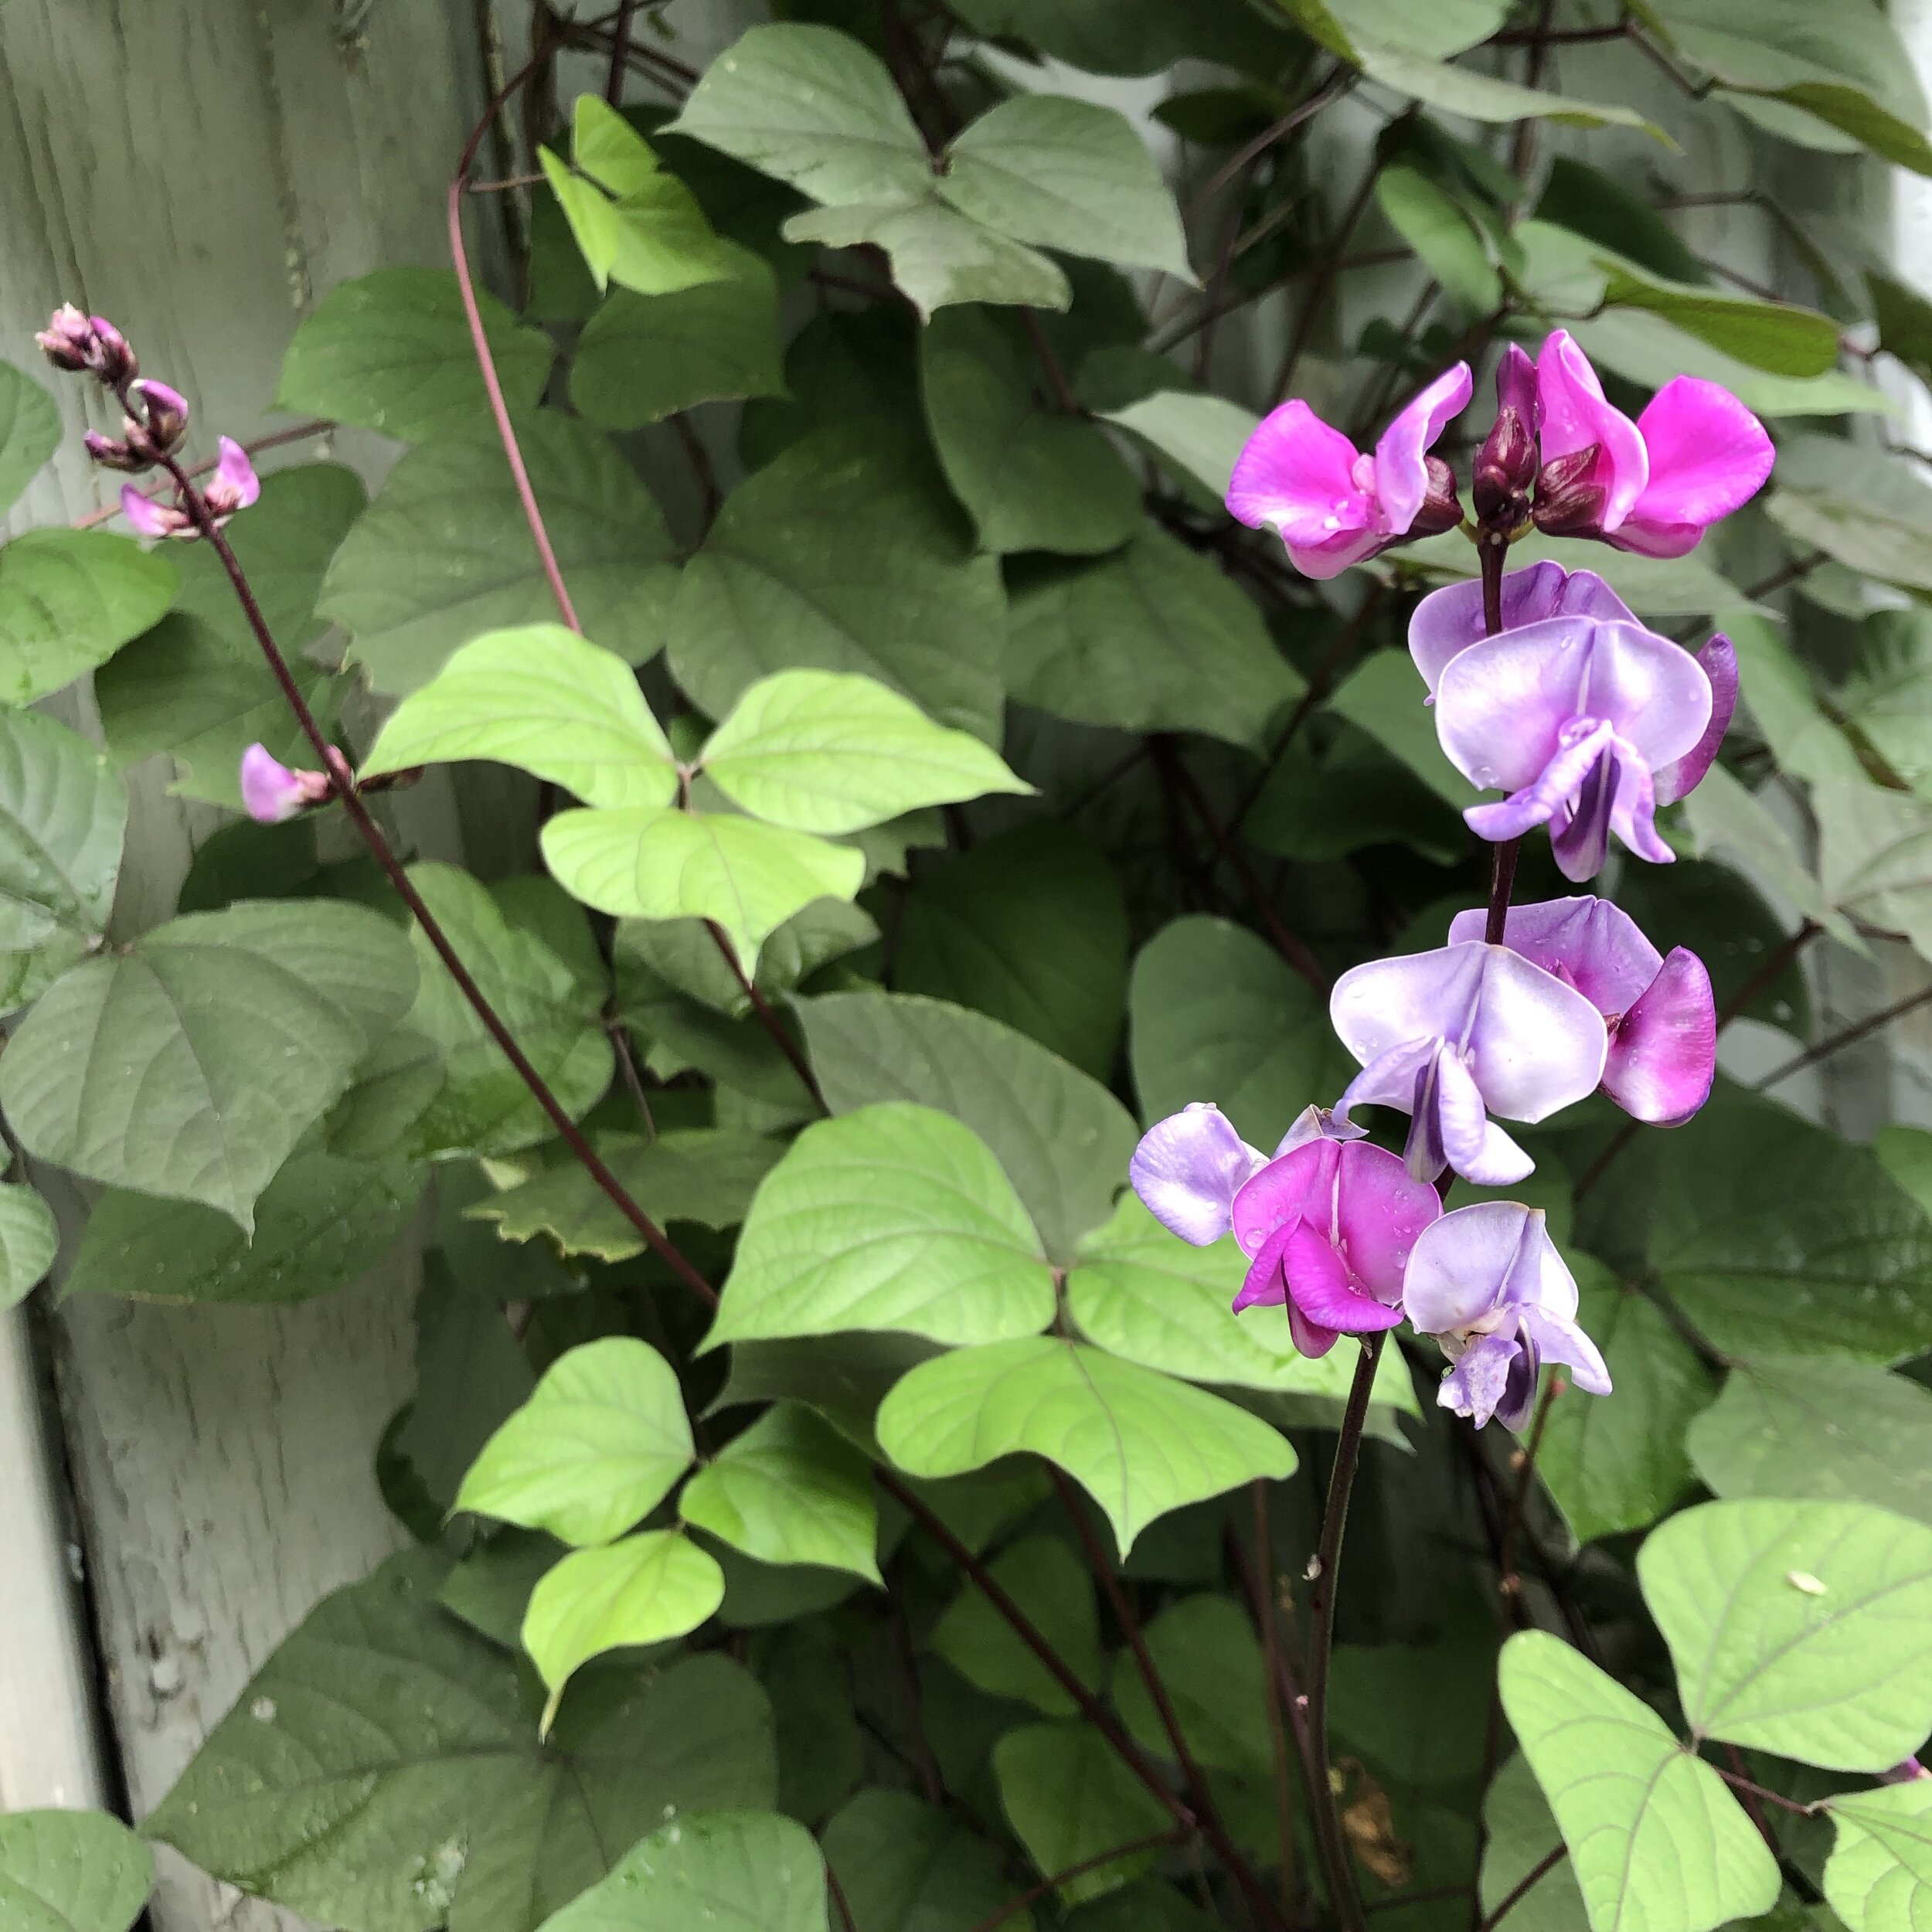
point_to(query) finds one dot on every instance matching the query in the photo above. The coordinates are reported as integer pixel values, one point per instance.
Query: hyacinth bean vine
(1005, 665)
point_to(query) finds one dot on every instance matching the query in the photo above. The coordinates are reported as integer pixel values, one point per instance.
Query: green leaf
(642, 358)
(1887, 700)
(1801, 1628)
(1437, 28)
(320, 1224)
(644, 1589)
(1724, 817)
(392, 351)
(1871, 512)
(1784, 706)
(594, 1450)
(1033, 476)
(1030, 927)
(827, 751)
(703, 1174)
(70, 1871)
(1218, 1015)
(635, 223)
(1318, 804)
(1854, 112)
(29, 432)
(1069, 1799)
(543, 700)
(555, 1017)
(444, 552)
(1063, 1140)
(1596, 204)
(658, 862)
(189, 1066)
(821, 1755)
(656, 957)
(844, 554)
(69, 600)
(1054, 1590)
(1153, 638)
(1801, 1425)
(28, 1242)
(382, 1771)
(790, 1490)
(1656, 1840)
(812, 106)
(62, 813)
(1209, 1661)
(1200, 437)
(1521, 1833)
(1875, 854)
(1473, 96)
(1617, 1462)
(1878, 1878)
(893, 1217)
(1067, 175)
(1904, 318)
(1440, 234)
(1385, 696)
(1775, 336)
(1138, 1442)
(906, 1866)
(1136, 36)
(196, 686)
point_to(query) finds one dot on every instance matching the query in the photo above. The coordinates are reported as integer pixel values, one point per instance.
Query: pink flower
(1655, 485)
(234, 484)
(1331, 505)
(150, 518)
(271, 792)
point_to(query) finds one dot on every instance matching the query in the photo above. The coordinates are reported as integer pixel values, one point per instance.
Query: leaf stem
(1850, 1037)
(1035, 1892)
(1522, 1888)
(1263, 1603)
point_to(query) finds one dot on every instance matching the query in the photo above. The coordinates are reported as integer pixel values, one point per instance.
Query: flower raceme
(233, 487)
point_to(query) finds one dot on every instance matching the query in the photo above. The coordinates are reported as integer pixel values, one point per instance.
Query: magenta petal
(1576, 414)
(1318, 1285)
(1708, 456)
(149, 518)
(271, 792)
(1718, 661)
(1478, 1384)
(1310, 1337)
(235, 485)
(1516, 386)
(1595, 946)
(1401, 478)
(1265, 1286)
(1297, 476)
(1187, 1169)
(1664, 1056)
(1381, 1210)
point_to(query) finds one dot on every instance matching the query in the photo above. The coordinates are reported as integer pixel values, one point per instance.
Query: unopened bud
(68, 339)
(112, 454)
(111, 358)
(164, 414)
(1441, 510)
(1569, 502)
(1516, 389)
(1505, 470)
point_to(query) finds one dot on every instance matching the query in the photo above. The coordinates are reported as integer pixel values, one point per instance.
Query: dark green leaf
(1317, 807)
(1775, 336)
(29, 432)
(71, 1871)
(1045, 1576)
(1210, 1662)
(1594, 203)
(906, 1866)
(820, 1757)
(1385, 696)
(1070, 1799)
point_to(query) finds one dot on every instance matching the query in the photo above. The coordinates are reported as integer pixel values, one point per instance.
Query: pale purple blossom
(164, 418)
(149, 518)
(272, 793)
(1332, 505)
(234, 486)
(1660, 1013)
(1488, 1283)
(1453, 1036)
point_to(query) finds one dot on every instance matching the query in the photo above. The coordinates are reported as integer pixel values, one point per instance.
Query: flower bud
(68, 339)
(150, 518)
(165, 414)
(1505, 467)
(1516, 389)
(1569, 501)
(112, 454)
(1440, 510)
(234, 484)
(272, 793)
(111, 358)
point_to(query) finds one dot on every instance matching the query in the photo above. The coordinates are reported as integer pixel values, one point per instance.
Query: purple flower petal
(1633, 817)
(1708, 455)
(1389, 1078)
(1266, 1283)
(1401, 476)
(149, 518)
(1301, 479)
(1479, 1383)
(1663, 1056)
(1558, 1338)
(1317, 1124)
(1580, 840)
(1575, 415)
(1447, 621)
(1318, 1285)
(1187, 1169)
(1590, 943)
(1294, 1185)
(234, 486)
(1477, 1149)
(1380, 1212)
(1456, 1275)
(1718, 661)
(1516, 386)
(1547, 794)
(271, 792)
(1309, 1338)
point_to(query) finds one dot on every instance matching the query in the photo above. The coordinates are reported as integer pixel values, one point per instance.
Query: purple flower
(1660, 1013)
(1329, 1227)
(234, 484)
(1907, 1771)
(1505, 465)
(164, 411)
(111, 453)
(1453, 1036)
(1654, 485)
(1488, 1283)
(68, 340)
(1578, 718)
(150, 518)
(271, 792)
(1446, 622)
(1331, 505)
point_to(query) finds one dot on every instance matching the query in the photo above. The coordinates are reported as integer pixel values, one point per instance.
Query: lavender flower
(150, 518)
(1660, 1013)
(164, 418)
(272, 793)
(233, 487)
(1488, 1283)
(1453, 1036)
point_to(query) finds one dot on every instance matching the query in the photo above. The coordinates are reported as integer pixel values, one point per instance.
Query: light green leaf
(1210, 1662)
(657, 958)
(594, 1450)
(1784, 706)
(321, 1223)
(444, 553)
(1617, 1462)
(635, 223)
(1054, 1589)
(658, 862)
(382, 1771)
(893, 1217)
(70, 1871)
(1888, 699)
(1853, 111)
(1521, 1833)
(906, 1866)
(63, 813)
(28, 1242)
(1874, 855)
(1153, 638)
(1385, 696)
(827, 751)
(1138, 1442)
(1199, 436)
(1656, 1840)
(1871, 512)
(1481, 96)
(1441, 236)
(189, 1066)
(1067, 174)
(812, 106)
(704, 1175)
(197, 686)
(642, 358)
(1136, 36)
(1878, 1878)
(644, 1589)
(1725, 819)
(790, 1490)
(545, 701)
(1063, 1140)
(1801, 1628)
(938, 255)
(392, 351)
(29, 432)
(1032, 477)
(1778, 337)
(1803, 1426)
(844, 554)
(1436, 28)
(1070, 1798)
(69, 600)
(1030, 927)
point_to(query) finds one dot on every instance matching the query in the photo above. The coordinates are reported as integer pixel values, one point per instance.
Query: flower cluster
(1547, 688)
